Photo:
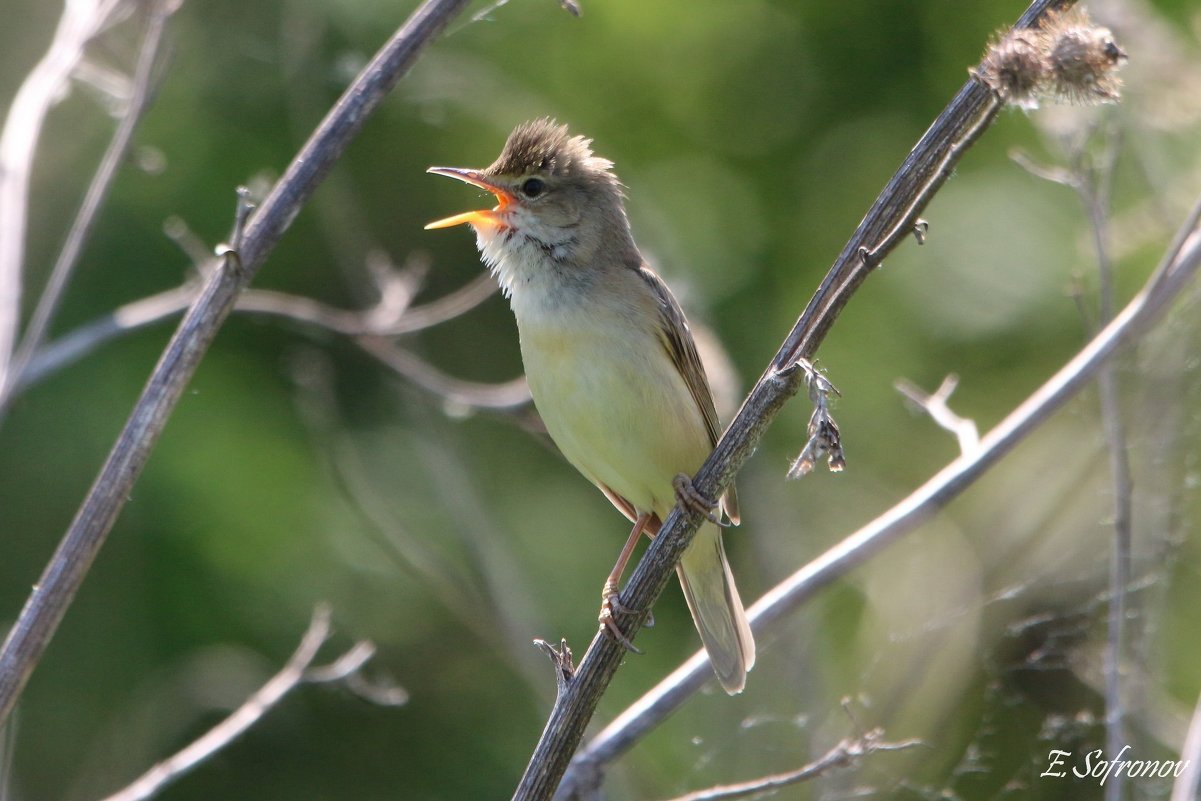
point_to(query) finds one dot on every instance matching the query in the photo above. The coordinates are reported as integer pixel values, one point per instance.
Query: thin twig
(82, 341)
(508, 395)
(843, 755)
(562, 661)
(70, 564)
(75, 345)
(1092, 184)
(298, 670)
(81, 227)
(1119, 568)
(1093, 190)
(449, 306)
(1180, 263)
(397, 321)
(894, 213)
(39, 92)
(936, 406)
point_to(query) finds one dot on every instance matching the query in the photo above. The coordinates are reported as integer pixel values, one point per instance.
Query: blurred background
(752, 137)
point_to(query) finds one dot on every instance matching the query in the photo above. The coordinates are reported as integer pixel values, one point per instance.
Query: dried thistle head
(1015, 66)
(1066, 59)
(1082, 59)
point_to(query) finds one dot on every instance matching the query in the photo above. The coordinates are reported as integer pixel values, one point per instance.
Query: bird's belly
(617, 408)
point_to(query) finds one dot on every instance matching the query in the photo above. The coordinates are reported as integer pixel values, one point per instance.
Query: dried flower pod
(1015, 67)
(1067, 59)
(1082, 59)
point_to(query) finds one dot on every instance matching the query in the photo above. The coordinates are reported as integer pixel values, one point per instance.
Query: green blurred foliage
(752, 137)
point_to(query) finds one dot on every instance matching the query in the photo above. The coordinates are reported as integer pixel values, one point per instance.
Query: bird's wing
(681, 349)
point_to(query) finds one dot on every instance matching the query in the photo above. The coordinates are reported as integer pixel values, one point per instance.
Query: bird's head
(552, 194)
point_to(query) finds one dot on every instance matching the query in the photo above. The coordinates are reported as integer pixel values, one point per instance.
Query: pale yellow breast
(615, 405)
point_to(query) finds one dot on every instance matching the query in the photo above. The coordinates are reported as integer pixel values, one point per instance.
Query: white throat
(533, 267)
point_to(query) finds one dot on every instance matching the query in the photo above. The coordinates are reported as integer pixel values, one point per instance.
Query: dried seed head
(1082, 59)
(1015, 67)
(1067, 59)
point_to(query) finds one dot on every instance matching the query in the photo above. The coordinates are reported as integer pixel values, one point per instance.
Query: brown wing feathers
(677, 341)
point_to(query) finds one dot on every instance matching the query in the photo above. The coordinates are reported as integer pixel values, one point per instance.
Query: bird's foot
(691, 499)
(610, 605)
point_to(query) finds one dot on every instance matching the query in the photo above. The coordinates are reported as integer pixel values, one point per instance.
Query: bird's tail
(717, 609)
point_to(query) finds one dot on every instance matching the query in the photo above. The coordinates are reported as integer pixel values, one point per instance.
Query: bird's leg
(690, 498)
(611, 595)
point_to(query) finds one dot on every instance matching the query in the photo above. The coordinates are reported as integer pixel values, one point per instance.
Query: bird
(611, 362)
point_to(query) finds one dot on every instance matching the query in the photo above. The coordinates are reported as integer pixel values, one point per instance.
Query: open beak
(504, 198)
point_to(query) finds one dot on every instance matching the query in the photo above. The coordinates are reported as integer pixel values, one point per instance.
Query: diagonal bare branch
(298, 670)
(365, 331)
(844, 754)
(118, 147)
(42, 88)
(236, 268)
(75, 345)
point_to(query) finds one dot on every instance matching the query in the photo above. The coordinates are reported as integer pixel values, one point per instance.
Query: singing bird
(611, 363)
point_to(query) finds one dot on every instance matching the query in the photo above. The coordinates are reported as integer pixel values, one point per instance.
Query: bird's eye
(533, 187)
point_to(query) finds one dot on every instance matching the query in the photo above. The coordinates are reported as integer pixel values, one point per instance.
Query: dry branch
(842, 755)
(79, 23)
(298, 670)
(365, 328)
(118, 148)
(70, 564)
(937, 407)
